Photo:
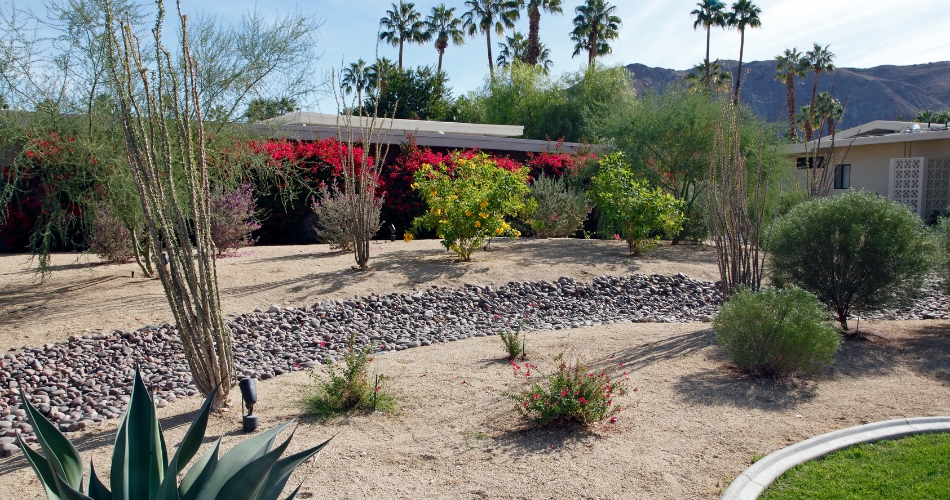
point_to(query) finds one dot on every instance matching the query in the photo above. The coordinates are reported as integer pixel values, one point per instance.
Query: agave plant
(141, 470)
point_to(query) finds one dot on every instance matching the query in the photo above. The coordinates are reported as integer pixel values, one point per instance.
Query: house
(498, 140)
(907, 162)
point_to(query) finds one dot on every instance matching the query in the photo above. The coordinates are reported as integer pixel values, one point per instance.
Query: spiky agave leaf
(138, 458)
(61, 457)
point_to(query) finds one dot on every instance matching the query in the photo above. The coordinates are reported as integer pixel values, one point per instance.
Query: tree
(787, 67)
(925, 116)
(820, 60)
(535, 47)
(416, 94)
(264, 109)
(355, 77)
(402, 25)
(378, 74)
(165, 166)
(744, 15)
(718, 78)
(710, 13)
(594, 26)
(488, 15)
(829, 111)
(3, 103)
(444, 27)
(515, 49)
(942, 117)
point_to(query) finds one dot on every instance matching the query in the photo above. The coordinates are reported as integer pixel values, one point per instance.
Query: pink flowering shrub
(572, 394)
(108, 237)
(232, 219)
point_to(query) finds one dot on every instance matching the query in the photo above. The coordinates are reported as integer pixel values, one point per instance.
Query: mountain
(879, 93)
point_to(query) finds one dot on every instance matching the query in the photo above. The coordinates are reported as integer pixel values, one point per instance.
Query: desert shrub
(108, 237)
(856, 251)
(513, 342)
(776, 331)
(636, 211)
(469, 201)
(347, 388)
(942, 231)
(572, 394)
(232, 218)
(331, 224)
(558, 208)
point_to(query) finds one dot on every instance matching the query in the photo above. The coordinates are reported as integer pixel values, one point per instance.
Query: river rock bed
(84, 381)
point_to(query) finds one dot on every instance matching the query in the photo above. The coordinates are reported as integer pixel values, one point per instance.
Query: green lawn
(915, 467)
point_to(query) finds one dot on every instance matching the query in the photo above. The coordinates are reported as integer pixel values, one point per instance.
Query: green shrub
(513, 342)
(557, 209)
(140, 463)
(347, 388)
(572, 394)
(942, 231)
(856, 252)
(469, 201)
(776, 331)
(629, 205)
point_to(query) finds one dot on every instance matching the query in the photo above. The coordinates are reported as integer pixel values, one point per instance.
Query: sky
(660, 33)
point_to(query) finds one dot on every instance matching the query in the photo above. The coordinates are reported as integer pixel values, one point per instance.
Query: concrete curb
(753, 481)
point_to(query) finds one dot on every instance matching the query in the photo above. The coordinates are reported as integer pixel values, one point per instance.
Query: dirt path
(83, 294)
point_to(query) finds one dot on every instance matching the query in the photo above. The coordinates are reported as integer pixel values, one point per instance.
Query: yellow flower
(517, 233)
(484, 204)
(455, 196)
(499, 231)
(414, 185)
(478, 223)
(433, 193)
(483, 215)
(438, 211)
(441, 236)
(468, 213)
(443, 221)
(408, 237)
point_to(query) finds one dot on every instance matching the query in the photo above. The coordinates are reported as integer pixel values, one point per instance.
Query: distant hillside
(879, 93)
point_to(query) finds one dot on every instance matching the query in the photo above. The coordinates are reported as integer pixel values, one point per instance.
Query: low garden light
(249, 397)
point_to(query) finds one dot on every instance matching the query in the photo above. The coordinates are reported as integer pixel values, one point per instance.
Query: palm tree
(444, 27)
(594, 26)
(710, 13)
(805, 118)
(516, 47)
(377, 74)
(744, 15)
(820, 60)
(942, 117)
(355, 77)
(787, 67)
(402, 25)
(925, 116)
(534, 22)
(488, 15)
(719, 78)
(828, 110)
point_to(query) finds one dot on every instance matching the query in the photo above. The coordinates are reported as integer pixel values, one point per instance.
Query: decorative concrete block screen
(923, 184)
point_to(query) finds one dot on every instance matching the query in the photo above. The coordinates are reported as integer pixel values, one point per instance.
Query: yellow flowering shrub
(470, 200)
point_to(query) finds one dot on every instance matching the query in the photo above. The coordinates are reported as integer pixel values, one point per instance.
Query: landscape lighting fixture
(249, 397)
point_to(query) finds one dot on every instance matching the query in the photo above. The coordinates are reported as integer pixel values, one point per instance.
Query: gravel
(84, 381)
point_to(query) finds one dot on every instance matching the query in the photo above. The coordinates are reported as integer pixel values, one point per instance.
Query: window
(843, 176)
(810, 162)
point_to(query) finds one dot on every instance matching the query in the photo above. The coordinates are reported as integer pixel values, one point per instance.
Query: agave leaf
(61, 455)
(236, 458)
(199, 473)
(67, 492)
(293, 494)
(196, 433)
(248, 483)
(118, 477)
(140, 460)
(97, 490)
(168, 490)
(284, 468)
(41, 467)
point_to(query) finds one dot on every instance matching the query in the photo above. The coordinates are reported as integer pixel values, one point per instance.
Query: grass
(915, 467)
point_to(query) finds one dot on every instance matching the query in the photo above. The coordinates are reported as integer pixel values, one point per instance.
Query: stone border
(754, 480)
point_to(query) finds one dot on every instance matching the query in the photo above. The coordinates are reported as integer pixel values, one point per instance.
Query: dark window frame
(801, 162)
(843, 176)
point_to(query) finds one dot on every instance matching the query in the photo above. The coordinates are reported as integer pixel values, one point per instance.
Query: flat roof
(876, 132)
(308, 119)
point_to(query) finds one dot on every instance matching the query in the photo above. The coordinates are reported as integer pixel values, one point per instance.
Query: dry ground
(693, 423)
(82, 293)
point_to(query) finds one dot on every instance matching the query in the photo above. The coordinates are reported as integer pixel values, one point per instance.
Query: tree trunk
(790, 100)
(534, 45)
(739, 73)
(592, 50)
(491, 65)
(814, 91)
(708, 35)
(400, 54)
(440, 46)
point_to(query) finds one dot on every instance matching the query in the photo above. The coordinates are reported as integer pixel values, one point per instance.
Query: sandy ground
(693, 424)
(82, 293)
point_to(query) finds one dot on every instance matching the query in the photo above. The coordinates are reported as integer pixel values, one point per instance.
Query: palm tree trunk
(400, 54)
(739, 73)
(814, 91)
(592, 50)
(491, 66)
(534, 48)
(790, 89)
(708, 35)
(441, 52)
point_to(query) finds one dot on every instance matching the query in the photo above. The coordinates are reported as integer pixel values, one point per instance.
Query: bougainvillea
(557, 163)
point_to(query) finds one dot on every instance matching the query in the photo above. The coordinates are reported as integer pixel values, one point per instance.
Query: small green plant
(469, 201)
(572, 394)
(141, 470)
(513, 342)
(640, 213)
(557, 209)
(776, 331)
(942, 231)
(348, 388)
(856, 251)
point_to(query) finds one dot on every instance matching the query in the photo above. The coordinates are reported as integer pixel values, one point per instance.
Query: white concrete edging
(754, 480)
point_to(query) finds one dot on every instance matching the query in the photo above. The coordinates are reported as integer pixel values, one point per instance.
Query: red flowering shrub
(232, 219)
(556, 163)
(572, 394)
